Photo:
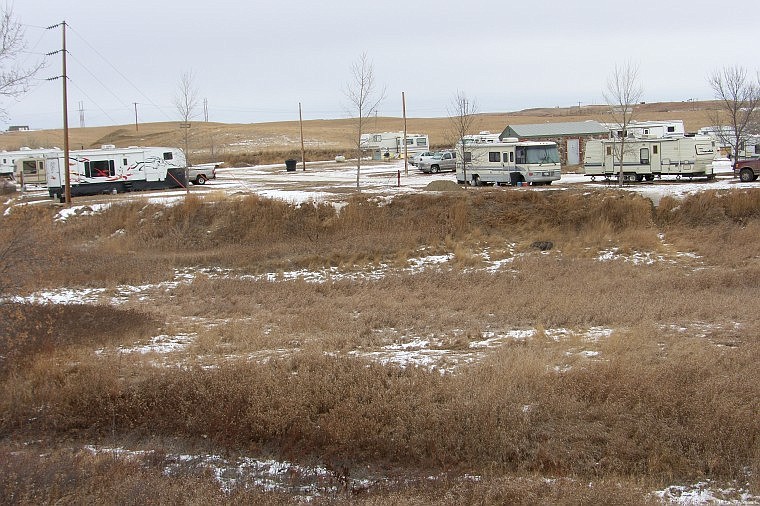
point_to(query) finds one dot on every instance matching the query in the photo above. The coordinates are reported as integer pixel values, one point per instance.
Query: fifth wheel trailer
(649, 158)
(115, 170)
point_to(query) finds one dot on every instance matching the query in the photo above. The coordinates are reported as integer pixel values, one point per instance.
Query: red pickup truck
(747, 169)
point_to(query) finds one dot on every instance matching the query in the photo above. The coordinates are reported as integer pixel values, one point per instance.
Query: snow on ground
(336, 182)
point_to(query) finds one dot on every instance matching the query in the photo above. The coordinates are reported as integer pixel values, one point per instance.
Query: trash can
(290, 165)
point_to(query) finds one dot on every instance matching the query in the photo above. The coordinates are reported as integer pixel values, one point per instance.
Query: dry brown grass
(657, 404)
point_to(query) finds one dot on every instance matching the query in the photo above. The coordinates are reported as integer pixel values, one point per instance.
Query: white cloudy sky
(255, 60)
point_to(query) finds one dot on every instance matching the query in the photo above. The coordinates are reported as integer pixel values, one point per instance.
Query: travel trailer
(115, 170)
(645, 159)
(8, 167)
(391, 144)
(510, 162)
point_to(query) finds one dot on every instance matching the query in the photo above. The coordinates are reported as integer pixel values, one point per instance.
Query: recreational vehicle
(391, 144)
(111, 169)
(648, 129)
(650, 158)
(9, 167)
(511, 162)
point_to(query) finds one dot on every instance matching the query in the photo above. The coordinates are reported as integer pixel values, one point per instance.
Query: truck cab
(748, 169)
(445, 160)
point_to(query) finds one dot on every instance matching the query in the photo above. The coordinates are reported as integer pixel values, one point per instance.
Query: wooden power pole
(300, 124)
(406, 160)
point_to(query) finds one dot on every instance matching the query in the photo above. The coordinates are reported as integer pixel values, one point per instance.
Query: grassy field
(620, 361)
(267, 142)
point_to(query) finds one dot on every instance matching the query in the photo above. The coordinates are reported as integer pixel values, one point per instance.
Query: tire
(435, 169)
(476, 181)
(639, 178)
(649, 177)
(746, 175)
(201, 179)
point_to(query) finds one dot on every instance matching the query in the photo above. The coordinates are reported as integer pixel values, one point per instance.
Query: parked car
(415, 159)
(199, 174)
(444, 160)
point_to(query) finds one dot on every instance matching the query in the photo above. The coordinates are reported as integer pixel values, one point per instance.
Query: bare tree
(364, 101)
(186, 101)
(739, 99)
(623, 92)
(462, 119)
(14, 77)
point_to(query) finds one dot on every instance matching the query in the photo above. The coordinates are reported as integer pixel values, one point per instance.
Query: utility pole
(205, 110)
(66, 171)
(406, 152)
(81, 114)
(136, 127)
(300, 123)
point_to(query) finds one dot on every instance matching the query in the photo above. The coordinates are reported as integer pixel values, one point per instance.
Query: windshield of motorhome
(537, 154)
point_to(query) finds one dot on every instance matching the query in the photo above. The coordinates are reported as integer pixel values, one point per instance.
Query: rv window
(511, 156)
(124, 162)
(30, 168)
(409, 141)
(468, 156)
(644, 156)
(609, 150)
(671, 129)
(99, 168)
(494, 156)
(168, 155)
(422, 142)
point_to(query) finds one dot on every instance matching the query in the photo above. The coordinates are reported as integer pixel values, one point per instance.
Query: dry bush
(28, 330)
(29, 249)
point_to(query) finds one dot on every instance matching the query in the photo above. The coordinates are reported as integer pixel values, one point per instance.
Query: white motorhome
(650, 158)
(391, 144)
(111, 169)
(510, 161)
(8, 166)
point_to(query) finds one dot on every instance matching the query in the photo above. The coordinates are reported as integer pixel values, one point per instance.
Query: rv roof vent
(107, 146)
(131, 147)
(25, 148)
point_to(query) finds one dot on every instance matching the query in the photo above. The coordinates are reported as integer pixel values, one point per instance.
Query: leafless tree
(14, 77)
(364, 101)
(739, 98)
(186, 101)
(462, 120)
(623, 92)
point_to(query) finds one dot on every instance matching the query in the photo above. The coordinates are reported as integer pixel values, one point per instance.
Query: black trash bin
(290, 165)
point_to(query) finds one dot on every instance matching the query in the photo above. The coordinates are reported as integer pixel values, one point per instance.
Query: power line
(120, 73)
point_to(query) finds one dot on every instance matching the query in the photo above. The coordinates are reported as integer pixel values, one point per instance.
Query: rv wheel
(475, 181)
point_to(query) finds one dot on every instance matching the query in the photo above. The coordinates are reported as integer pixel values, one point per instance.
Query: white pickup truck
(199, 174)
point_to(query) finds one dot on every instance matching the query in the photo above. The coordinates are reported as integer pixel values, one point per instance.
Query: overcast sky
(255, 60)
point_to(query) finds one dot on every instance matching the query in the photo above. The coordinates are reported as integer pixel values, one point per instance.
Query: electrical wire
(119, 72)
